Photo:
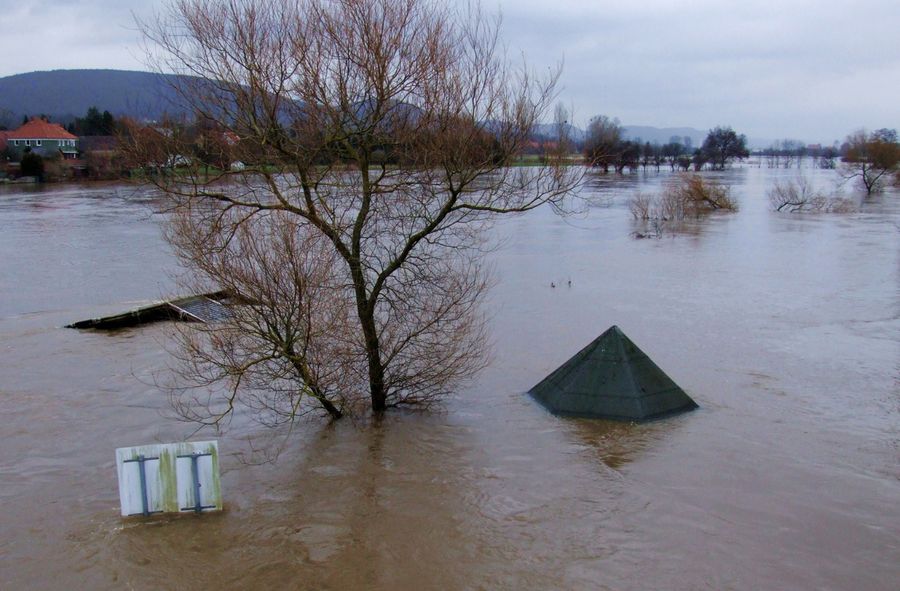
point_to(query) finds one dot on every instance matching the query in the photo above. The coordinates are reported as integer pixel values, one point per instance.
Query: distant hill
(549, 131)
(66, 94)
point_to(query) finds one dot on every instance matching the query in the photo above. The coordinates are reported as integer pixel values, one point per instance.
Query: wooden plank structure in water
(208, 307)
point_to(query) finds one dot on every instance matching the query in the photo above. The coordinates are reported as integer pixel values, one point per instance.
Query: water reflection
(615, 443)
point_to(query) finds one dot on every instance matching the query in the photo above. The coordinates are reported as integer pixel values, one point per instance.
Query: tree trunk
(376, 369)
(334, 411)
(317, 393)
(365, 310)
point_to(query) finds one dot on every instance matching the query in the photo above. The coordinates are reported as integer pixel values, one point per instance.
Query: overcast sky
(813, 70)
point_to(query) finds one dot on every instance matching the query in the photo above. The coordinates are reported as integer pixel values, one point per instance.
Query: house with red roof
(44, 138)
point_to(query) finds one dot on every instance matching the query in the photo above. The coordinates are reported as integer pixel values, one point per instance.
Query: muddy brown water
(784, 328)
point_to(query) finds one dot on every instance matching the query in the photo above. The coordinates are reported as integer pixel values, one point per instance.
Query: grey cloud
(774, 69)
(798, 68)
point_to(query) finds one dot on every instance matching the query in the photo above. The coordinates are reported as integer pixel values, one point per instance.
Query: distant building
(44, 138)
(231, 138)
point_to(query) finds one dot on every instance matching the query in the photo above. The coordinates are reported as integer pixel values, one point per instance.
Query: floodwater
(785, 328)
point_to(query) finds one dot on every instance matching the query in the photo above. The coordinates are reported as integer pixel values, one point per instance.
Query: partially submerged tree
(376, 136)
(692, 196)
(688, 196)
(826, 158)
(798, 196)
(722, 145)
(785, 153)
(628, 156)
(872, 158)
(603, 142)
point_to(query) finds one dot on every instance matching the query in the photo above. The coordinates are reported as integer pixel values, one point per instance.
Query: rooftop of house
(40, 129)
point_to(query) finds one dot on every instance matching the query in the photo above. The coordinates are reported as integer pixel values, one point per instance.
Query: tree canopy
(722, 145)
(93, 123)
(603, 141)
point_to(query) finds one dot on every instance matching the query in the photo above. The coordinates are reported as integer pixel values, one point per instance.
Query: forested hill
(66, 94)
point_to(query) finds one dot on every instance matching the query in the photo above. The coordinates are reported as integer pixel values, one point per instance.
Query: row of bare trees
(789, 153)
(606, 147)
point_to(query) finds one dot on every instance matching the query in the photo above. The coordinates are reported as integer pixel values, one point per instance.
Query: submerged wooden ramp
(208, 307)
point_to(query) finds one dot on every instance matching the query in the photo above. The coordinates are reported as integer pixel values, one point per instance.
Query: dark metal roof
(200, 308)
(611, 378)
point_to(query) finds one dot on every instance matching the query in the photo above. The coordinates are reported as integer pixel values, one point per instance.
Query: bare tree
(642, 206)
(687, 196)
(722, 144)
(795, 196)
(827, 157)
(673, 151)
(376, 136)
(283, 348)
(603, 142)
(565, 144)
(699, 197)
(872, 158)
(798, 196)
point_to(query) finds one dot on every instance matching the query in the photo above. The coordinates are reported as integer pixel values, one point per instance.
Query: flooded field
(784, 328)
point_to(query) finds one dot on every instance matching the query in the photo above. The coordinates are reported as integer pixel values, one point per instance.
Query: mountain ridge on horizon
(64, 94)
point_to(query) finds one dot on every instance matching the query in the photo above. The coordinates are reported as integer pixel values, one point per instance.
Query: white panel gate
(169, 478)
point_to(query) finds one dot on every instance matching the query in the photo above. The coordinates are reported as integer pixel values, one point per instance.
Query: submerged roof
(611, 378)
(209, 307)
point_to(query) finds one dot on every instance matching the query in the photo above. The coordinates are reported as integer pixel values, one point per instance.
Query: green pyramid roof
(611, 378)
